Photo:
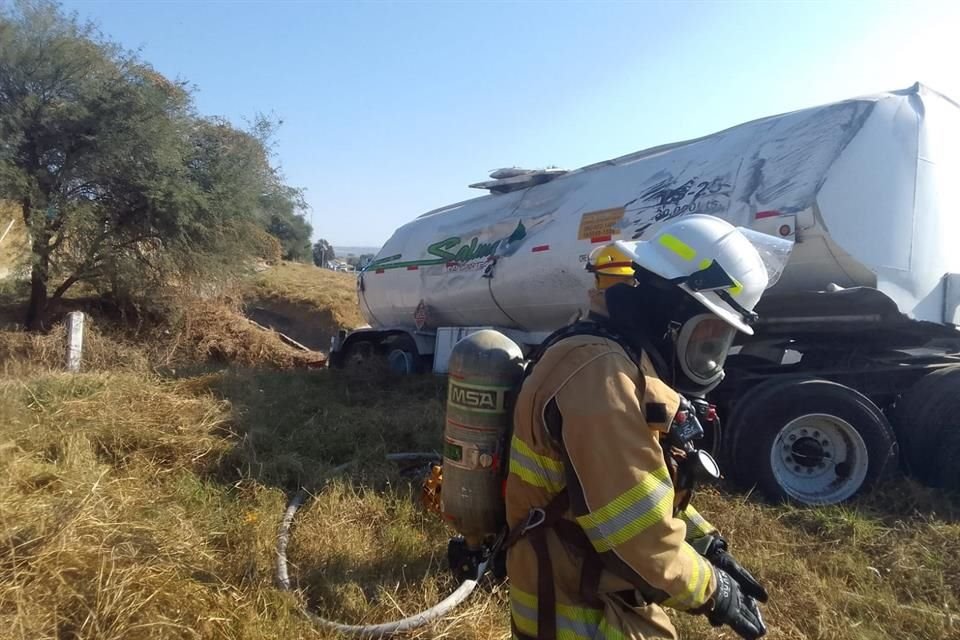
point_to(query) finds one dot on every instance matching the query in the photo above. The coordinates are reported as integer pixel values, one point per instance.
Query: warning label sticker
(598, 224)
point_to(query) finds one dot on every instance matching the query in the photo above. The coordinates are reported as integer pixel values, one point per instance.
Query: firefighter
(611, 265)
(600, 539)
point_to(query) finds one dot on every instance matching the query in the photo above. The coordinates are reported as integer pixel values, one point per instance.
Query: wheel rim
(401, 361)
(819, 459)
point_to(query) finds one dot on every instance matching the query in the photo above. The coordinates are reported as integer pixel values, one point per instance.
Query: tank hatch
(514, 179)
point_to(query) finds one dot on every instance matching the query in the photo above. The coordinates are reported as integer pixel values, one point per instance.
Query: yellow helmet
(610, 265)
(610, 260)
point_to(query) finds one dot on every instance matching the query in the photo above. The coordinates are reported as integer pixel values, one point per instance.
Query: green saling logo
(454, 250)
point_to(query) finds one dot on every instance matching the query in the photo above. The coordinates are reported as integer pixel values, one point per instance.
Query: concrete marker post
(74, 340)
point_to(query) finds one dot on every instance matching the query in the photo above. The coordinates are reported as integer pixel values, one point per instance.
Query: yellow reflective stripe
(736, 289)
(524, 621)
(523, 597)
(547, 463)
(697, 525)
(706, 262)
(537, 470)
(650, 501)
(573, 623)
(626, 499)
(694, 592)
(534, 478)
(701, 591)
(529, 601)
(606, 631)
(678, 246)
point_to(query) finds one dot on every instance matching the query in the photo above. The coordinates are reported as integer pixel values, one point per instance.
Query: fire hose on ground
(409, 623)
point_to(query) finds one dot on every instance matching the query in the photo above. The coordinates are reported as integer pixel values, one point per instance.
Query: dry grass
(108, 528)
(22, 353)
(196, 331)
(133, 506)
(873, 569)
(217, 331)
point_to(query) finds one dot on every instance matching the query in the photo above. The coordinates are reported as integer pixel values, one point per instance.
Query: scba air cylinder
(485, 370)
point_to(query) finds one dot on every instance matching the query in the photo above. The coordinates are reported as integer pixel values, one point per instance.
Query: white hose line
(409, 623)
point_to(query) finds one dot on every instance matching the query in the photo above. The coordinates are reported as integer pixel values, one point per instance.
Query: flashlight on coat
(696, 465)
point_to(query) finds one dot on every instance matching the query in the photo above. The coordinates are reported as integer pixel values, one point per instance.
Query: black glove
(716, 552)
(735, 609)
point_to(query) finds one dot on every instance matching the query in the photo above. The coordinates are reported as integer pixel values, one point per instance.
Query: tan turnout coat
(605, 452)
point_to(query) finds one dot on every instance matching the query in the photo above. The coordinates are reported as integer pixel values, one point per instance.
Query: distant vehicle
(860, 331)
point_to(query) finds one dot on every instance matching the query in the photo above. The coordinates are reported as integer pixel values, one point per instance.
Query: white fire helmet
(725, 268)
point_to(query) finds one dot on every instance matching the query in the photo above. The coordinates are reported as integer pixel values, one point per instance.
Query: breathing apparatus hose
(409, 623)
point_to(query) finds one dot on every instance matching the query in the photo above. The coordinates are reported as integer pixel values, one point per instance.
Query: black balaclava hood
(643, 315)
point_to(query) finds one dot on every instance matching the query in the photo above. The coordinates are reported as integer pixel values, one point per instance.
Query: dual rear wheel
(398, 353)
(808, 440)
(815, 442)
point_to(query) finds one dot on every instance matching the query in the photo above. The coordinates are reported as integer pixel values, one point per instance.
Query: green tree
(118, 180)
(323, 253)
(293, 232)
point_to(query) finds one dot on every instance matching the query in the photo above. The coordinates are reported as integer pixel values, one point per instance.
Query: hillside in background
(344, 252)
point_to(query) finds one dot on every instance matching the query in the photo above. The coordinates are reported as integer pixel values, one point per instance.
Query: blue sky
(391, 109)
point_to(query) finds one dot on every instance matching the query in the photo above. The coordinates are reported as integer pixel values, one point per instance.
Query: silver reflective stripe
(552, 479)
(638, 516)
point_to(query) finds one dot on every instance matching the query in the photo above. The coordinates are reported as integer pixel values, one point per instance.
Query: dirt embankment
(304, 302)
(307, 304)
(310, 327)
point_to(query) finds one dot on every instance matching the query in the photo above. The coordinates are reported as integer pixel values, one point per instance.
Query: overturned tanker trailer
(856, 351)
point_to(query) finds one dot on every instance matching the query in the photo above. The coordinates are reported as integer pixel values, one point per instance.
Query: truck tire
(359, 353)
(731, 434)
(925, 414)
(948, 471)
(809, 441)
(403, 357)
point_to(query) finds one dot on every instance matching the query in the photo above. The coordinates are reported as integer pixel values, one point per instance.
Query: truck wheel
(948, 471)
(403, 355)
(926, 413)
(359, 353)
(809, 440)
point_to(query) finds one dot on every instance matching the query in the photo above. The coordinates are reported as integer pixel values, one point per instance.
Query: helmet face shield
(774, 252)
(702, 347)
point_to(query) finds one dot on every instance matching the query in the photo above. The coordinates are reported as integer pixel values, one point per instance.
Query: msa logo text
(476, 399)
